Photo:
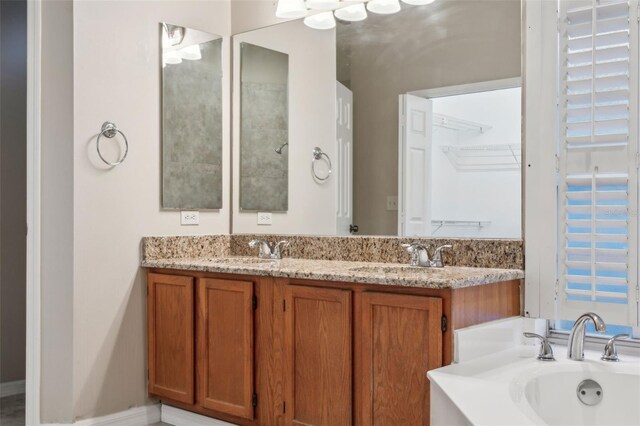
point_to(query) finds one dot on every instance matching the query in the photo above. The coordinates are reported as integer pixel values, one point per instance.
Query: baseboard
(11, 388)
(177, 417)
(137, 416)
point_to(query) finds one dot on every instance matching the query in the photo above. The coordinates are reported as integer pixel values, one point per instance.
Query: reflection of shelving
(453, 123)
(437, 224)
(484, 157)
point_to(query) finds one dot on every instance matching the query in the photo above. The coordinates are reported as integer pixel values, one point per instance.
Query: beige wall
(463, 42)
(311, 95)
(247, 15)
(13, 191)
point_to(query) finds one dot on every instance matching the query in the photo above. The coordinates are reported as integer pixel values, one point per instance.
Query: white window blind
(597, 160)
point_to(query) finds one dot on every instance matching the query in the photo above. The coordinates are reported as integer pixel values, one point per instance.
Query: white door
(344, 150)
(414, 217)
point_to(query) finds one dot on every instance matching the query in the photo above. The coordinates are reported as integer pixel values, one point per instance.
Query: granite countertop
(342, 271)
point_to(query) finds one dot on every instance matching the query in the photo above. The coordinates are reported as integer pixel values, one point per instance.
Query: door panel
(225, 346)
(170, 314)
(318, 346)
(401, 341)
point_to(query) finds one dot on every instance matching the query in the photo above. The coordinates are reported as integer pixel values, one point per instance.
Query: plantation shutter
(597, 160)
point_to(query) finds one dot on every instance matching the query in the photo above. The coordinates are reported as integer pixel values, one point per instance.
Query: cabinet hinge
(254, 400)
(254, 302)
(284, 305)
(284, 407)
(443, 323)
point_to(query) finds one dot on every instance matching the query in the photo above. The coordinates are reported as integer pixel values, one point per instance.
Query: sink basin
(392, 269)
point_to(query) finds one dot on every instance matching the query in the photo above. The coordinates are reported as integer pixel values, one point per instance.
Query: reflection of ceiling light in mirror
(320, 21)
(384, 7)
(191, 53)
(356, 12)
(418, 2)
(291, 9)
(174, 35)
(323, 4)
(171, 57)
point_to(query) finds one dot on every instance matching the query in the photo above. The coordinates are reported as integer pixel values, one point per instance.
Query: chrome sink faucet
(420, 255)
(269, 250)
(575, 346)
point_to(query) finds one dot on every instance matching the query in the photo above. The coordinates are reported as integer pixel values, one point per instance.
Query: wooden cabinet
(277, 351)
(170, 321)
(318, 362)
(225, 346)
(400, 340)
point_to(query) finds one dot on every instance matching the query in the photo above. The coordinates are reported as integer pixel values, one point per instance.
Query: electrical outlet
(189, 217)
(264, 218)
(392, 202)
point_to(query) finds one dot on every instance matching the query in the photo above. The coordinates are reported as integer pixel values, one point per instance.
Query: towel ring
(317, 155)
(109, 130)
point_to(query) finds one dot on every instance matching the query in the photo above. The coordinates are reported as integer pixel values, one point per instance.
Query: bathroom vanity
(300, 341)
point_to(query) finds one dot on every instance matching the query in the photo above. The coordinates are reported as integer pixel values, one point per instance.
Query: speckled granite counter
(344, 271)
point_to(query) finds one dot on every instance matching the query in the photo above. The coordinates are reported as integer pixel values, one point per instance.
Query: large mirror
(192, 125)
(417, 114)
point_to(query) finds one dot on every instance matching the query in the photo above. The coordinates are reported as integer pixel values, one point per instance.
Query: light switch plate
(392, 202)
(189, 217)
(264, 218)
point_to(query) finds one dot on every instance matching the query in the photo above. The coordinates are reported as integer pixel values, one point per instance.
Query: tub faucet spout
(575, 347)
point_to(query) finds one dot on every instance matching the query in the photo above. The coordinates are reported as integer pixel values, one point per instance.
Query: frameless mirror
(264, 129)
(418, 115)
(191, 118)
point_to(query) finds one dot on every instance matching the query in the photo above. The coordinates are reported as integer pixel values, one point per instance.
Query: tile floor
(12, 410)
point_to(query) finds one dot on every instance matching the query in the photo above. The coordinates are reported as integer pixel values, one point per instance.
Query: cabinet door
(170, 324)
(225, 346)
(401, 339)
(318, 359)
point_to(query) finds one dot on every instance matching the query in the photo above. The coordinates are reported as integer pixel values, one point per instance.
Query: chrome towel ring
(317, 155)
(109, 130)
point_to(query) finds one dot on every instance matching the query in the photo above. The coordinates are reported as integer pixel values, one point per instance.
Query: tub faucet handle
(610, 353)
(546, 353)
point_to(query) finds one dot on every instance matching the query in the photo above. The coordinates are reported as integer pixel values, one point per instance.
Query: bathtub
(513, 388)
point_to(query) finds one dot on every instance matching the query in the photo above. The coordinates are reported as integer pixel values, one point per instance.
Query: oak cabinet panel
(401, 339)
(225, 346)
(318, 360)
(170, 337)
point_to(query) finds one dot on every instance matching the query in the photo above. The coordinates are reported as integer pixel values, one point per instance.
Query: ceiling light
(320, 21)
(191, 53)
(383, 7)
(418, 2)
(291, 9)
(323, 4)
(356, 12)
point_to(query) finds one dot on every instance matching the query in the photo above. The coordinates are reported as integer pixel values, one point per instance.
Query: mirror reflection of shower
(279, 149)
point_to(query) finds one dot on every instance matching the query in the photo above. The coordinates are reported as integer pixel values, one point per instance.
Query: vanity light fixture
(345, 10)
(384, 7)
(320, 21)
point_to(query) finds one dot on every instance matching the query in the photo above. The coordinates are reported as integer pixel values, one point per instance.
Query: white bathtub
(513, 388)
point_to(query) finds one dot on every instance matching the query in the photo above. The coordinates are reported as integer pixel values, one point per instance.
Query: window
(597, 162)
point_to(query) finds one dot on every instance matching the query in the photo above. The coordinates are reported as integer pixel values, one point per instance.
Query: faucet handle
(414, 250)
(610, 353)
(277, 251)
(546, 353)
(265, 248)
(437, 261)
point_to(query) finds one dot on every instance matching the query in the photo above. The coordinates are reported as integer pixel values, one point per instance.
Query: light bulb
(356, 12)
(384, 7)
(320, 21)
(291, 9)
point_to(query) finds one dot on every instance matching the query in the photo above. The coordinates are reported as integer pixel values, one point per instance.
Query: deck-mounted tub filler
(514, 387)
